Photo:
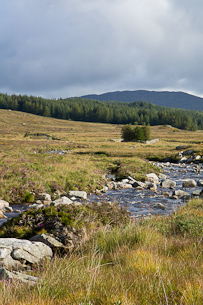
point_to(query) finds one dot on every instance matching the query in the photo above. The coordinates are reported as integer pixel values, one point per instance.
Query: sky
(66, 48)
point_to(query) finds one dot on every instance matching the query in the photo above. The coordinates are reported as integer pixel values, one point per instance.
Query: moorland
(151, 261)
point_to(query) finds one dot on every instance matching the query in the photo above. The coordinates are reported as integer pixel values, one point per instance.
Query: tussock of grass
(137, 263)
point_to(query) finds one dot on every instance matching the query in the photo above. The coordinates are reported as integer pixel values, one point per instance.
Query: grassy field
(26, 165)
(156, 261)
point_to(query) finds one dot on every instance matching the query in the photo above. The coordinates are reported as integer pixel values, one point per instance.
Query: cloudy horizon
(70, 48)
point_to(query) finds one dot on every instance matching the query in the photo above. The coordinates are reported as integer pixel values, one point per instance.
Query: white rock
(189, 183)
(61, 201)
(152, 178)
(78, 194)
(3, 204)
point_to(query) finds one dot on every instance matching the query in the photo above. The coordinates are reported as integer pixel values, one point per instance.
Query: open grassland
(26, 165)
(156, 261)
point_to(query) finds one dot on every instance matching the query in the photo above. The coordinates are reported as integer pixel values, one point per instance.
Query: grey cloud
(68, 48)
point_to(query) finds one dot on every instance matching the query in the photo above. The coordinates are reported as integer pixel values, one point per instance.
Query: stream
(143, 202)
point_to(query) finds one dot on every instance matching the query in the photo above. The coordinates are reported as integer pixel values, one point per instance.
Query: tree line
(79, 109)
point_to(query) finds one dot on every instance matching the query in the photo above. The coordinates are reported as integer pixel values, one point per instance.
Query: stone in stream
(139, 184)
(160, 206)
(189, 183)
(180, 193)
(196, 193)
(3, 204)
(200, 183)
(162, 176)
(2, 215)
(152, 178)
(168, 183)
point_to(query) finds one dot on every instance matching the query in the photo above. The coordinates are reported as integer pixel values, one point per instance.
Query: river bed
(143, 202)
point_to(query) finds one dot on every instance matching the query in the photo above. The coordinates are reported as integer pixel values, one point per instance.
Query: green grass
(134, 263)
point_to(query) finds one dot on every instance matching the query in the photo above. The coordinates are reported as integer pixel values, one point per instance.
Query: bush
(137, 133)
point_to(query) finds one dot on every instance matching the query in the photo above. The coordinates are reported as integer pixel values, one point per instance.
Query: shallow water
(145, 202)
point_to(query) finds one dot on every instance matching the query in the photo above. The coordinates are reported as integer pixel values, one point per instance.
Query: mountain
(163, 98)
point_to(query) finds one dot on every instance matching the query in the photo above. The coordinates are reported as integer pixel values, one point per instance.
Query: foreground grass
(137, 263)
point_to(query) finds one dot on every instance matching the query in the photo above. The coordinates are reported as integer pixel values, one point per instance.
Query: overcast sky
(63, 48)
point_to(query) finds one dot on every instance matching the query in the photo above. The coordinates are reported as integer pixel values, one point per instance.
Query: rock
(160, 206)
(180, 193)
(50, 241)
(16, 253)
(61, 201)
(3, 204)
(45, 196)
(79, 194)
(131, 180)
(168, 183)
(182, 160)
(162, 176)
(139, 184)
(167, 194)
(200, 183)
(152, 178)
(189, 160)
(122, 185)
(189, 183)
(8, 209)
(36, 206)
(196, 193)
(188, 152)
(105, 189)
(152, 187)
(2, 215)
(21, 277)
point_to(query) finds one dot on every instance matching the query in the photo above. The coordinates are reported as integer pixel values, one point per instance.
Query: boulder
(162, 176)
(17, 253)
(139, 184)
(152, 186)
(45, 196)
(50, 241)
(78, 194)
(196, 193)
(180, 193)
(61, 201)
(36, 206)
(3, 204)
(200, 183)
(122, 185)
(160, 206)
(189, 183)
(152, 178)
(21, 277)
(167, 183)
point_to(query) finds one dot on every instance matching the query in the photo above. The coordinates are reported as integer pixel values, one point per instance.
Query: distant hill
(163, 98)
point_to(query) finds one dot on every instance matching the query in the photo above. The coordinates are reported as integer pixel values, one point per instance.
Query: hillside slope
(164, 98)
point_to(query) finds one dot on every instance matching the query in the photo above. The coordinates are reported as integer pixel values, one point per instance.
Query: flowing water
(145, 202)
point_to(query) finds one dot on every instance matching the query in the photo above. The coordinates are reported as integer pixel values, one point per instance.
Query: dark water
(145, 202)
